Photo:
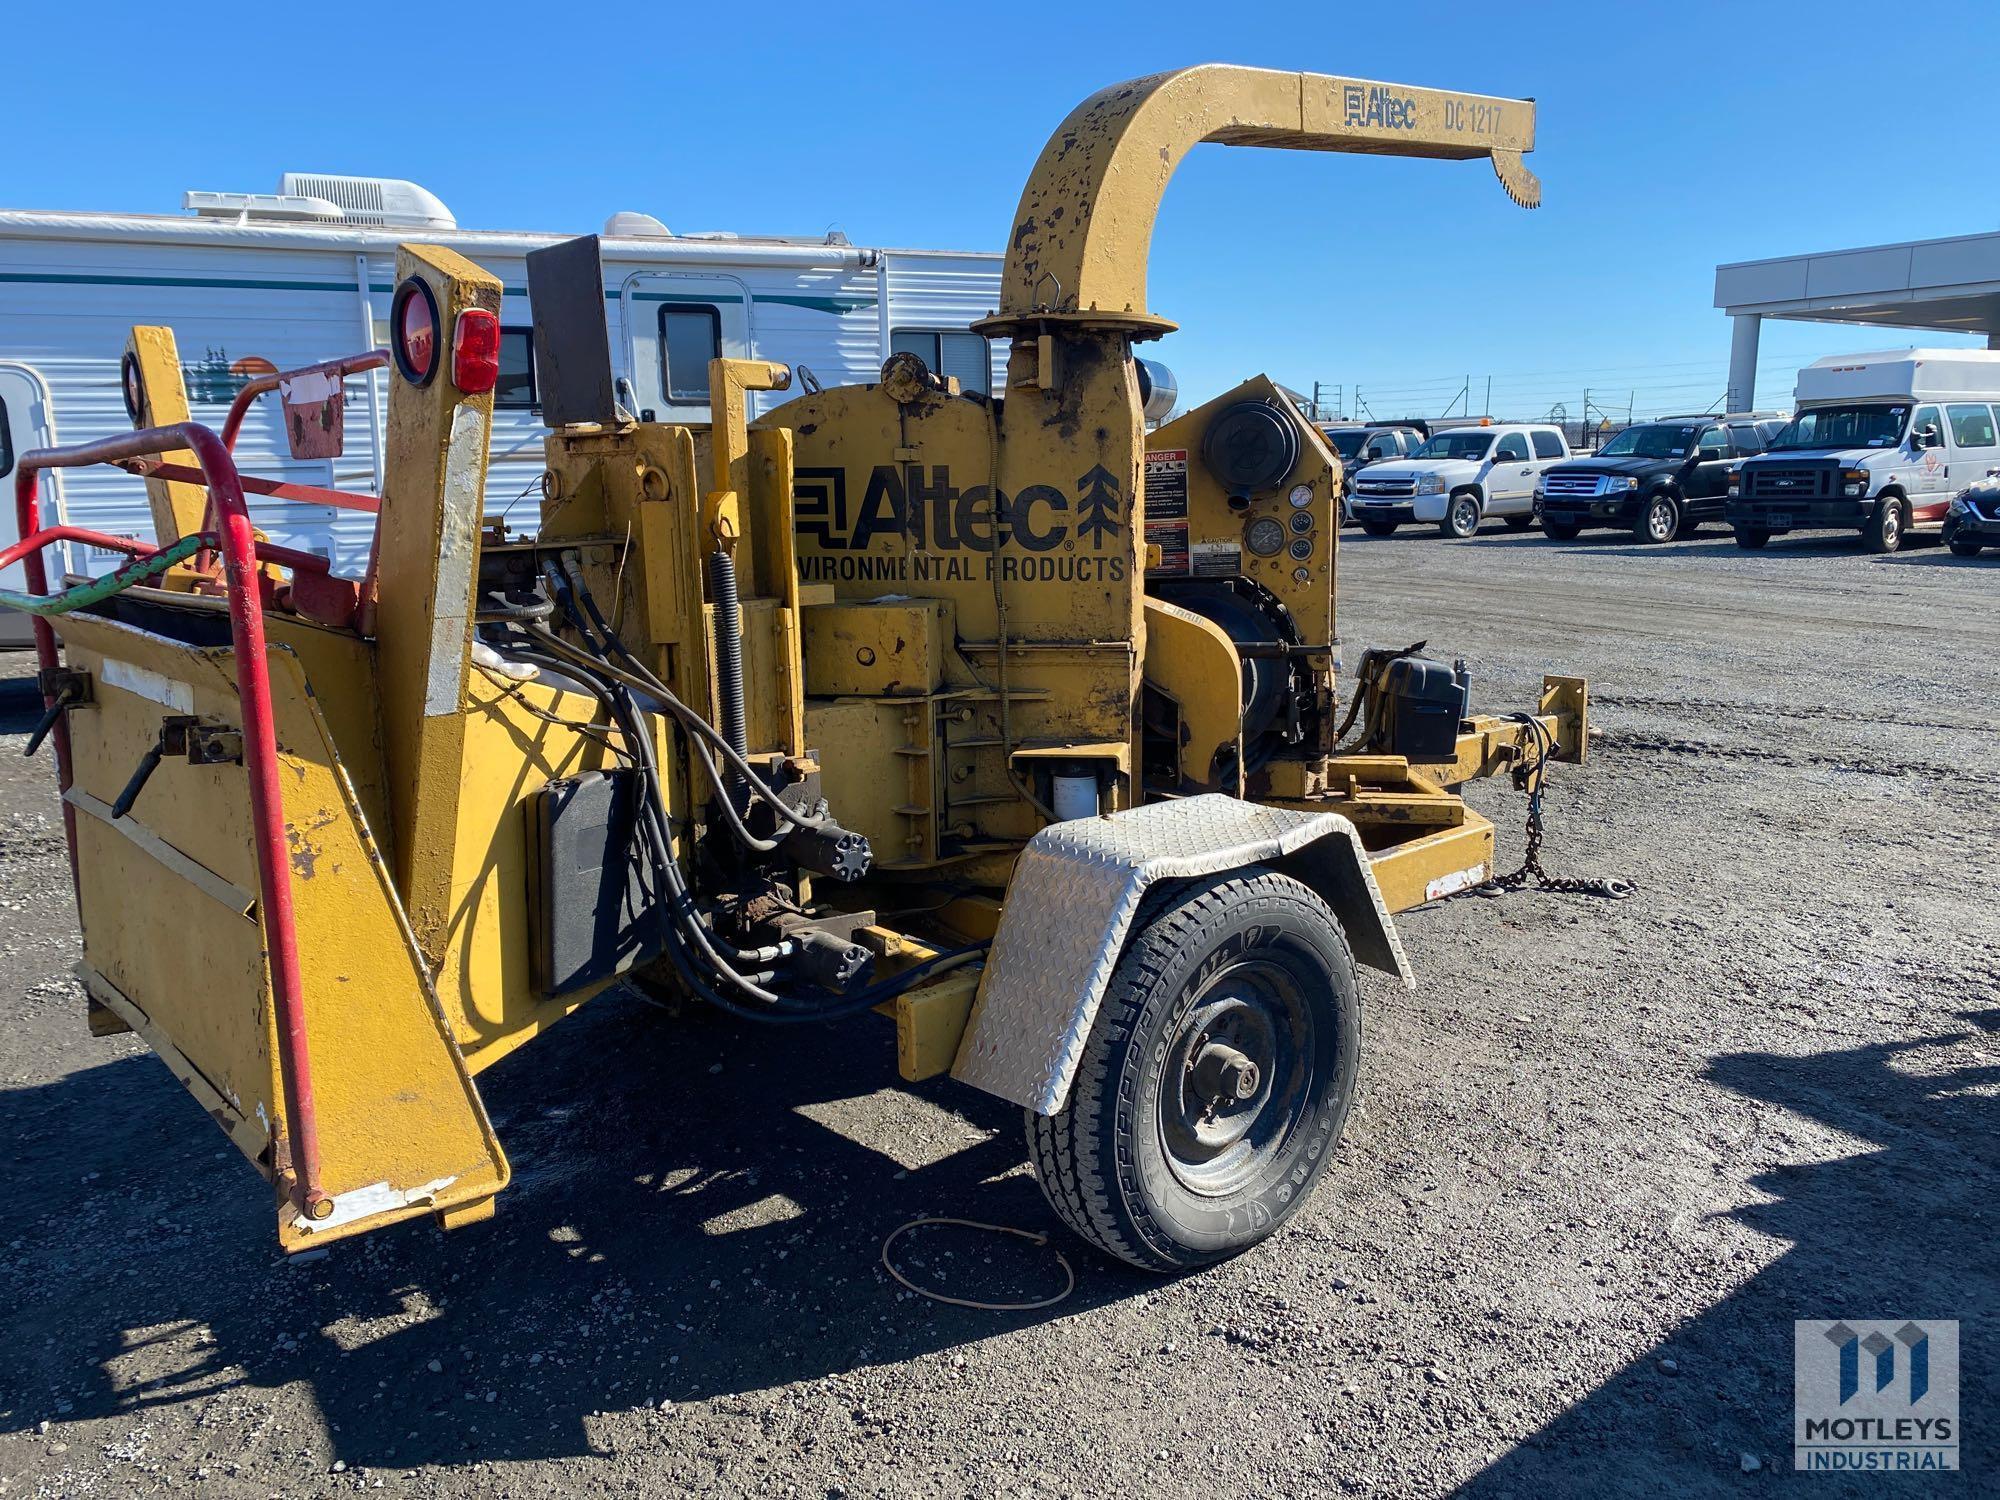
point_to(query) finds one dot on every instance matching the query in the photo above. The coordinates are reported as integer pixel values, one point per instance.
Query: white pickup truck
(1459, 478)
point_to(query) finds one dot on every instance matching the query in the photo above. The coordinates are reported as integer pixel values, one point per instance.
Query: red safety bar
(232, 428)
(257, 385)
(260, 751)
(102, 540)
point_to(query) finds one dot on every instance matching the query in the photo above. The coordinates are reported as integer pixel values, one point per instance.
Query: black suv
(1656, 479)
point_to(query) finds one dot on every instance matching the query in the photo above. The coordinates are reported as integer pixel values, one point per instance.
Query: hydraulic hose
(636, 674)
(729, 657)
(706, 962)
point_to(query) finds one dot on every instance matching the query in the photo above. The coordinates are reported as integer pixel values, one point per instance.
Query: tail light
(413, 329)
(475, 351)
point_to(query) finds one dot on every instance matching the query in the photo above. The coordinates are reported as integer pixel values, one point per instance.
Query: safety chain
(1531, 776)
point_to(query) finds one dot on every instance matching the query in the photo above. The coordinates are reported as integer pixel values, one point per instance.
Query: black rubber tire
(1461, 506)
(1560, 531)
(1962, 547)
(1518, 523)
(1380, 528)
(1659, 519)
(1752, 538)
(1886, 528)
(1104, 1161)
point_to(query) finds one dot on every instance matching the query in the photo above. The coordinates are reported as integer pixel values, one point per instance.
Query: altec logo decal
(943, 531)
(1875, 1394)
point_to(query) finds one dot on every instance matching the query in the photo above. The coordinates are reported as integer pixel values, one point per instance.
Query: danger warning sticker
(1166, 500)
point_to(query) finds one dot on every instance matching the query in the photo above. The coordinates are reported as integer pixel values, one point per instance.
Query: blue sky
(1671, 137)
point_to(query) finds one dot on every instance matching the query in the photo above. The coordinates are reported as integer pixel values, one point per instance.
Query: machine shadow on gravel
(1901, 1227)
(20, 704)
(673, 1234)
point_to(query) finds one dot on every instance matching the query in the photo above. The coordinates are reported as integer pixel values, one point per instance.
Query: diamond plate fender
(1070, 905)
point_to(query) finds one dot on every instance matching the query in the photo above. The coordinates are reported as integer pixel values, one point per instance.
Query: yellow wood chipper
(1062, 686)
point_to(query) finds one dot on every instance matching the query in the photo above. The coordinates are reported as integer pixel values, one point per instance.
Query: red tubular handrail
(232, 427)
(257, 385)
(103, 540)
(260, 746)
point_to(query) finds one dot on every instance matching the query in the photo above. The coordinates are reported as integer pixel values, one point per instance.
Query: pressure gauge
(1301, 496)
(1304, 575)
(1302, 549)
(1265, 537)
(1301, 523)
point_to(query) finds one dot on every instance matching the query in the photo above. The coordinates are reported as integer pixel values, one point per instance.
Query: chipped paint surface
(464, 481)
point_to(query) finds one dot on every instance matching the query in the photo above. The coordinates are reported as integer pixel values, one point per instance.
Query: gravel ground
(1601, 1159)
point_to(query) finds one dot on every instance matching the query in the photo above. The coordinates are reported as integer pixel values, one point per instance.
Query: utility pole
(1489, 395)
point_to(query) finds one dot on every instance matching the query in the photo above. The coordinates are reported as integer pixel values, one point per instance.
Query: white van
(1879, 445)
(1458, 478)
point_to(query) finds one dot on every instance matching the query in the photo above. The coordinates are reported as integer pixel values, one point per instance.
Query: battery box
(1422, 702)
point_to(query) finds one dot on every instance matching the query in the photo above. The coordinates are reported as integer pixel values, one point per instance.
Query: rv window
(516, 387)
(690, 337)
(1971, 426)
(963, 356)
(6, 440)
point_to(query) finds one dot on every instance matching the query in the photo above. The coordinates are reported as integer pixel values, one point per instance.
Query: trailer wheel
(1461, 515)
(1380, 528)
(1216, 1077)
(1752, 538)
(1884, 531)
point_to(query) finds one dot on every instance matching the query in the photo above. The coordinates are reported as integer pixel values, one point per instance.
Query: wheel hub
(1225, 1075)
(1237, 1079)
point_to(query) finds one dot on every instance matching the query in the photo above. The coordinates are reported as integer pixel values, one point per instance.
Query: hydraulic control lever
(182, 735)
(65, 690)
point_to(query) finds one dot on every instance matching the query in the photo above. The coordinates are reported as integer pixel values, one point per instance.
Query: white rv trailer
(255, 282)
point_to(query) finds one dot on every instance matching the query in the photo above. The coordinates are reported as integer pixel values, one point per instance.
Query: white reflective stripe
(451, 622)
(146, 684)
(313, 385)
(366, 1202)
(1459, 880)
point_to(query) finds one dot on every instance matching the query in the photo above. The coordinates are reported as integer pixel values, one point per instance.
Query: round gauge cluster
(1265, 537)
(1301, 496)
(1301, 523)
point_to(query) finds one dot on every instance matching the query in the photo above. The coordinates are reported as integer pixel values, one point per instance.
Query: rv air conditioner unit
(387, 201)
(630, 225)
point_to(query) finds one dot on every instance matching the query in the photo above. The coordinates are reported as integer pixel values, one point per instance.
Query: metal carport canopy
(1949, 285)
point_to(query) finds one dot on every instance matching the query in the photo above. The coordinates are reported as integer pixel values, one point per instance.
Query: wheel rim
(1660, 519)
(1464, 517)
(1892, 523)
(1238, 1079)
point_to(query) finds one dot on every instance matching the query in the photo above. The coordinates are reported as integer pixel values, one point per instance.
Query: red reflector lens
(475, 351)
